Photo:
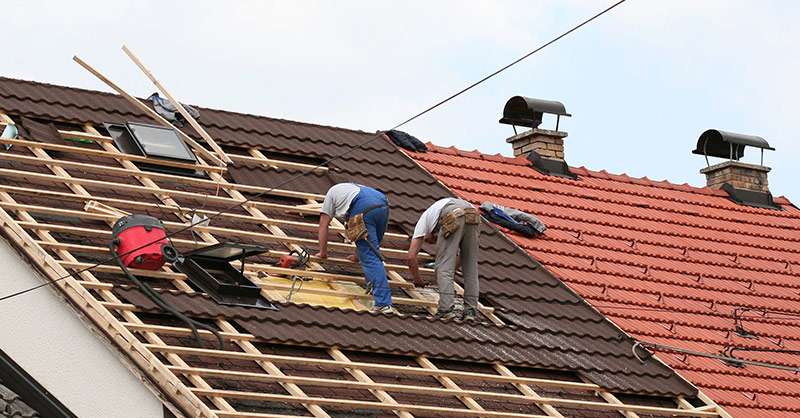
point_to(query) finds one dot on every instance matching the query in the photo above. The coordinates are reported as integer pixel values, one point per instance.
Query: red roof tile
(668, 263)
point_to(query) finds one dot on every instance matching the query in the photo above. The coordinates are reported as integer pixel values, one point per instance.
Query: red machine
(141, 242)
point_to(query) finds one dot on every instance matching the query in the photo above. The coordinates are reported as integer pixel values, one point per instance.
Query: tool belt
(449, 222)
(354, 227)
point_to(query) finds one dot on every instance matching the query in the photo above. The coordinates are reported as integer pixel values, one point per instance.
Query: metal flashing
(750, 197)
(550, 166)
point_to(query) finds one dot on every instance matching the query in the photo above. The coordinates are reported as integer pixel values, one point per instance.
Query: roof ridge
(602, 174)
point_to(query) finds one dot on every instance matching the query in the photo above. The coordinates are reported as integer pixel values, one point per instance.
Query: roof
(533, 322)
(667, 263)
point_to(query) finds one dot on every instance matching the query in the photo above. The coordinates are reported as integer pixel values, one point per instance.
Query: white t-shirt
(338, 199)
(427, 221)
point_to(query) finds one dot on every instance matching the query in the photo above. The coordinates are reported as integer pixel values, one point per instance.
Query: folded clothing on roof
(404, 140)
(166, 109)
(515, 220)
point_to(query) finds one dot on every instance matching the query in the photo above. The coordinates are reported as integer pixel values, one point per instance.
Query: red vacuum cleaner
(142, 242)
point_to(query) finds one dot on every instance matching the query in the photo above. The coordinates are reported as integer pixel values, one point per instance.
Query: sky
(642, 82)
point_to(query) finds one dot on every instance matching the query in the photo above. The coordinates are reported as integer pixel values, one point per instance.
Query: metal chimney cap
(526, 111)
(729, 145)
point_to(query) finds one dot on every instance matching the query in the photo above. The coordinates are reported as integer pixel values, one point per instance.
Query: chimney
(543, 148)
(746, 184)
(546, 143)
(738, 174)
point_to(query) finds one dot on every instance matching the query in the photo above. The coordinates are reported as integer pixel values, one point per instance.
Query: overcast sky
(642, 82)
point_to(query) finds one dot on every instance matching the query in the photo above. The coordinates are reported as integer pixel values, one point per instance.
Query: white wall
(55, 347)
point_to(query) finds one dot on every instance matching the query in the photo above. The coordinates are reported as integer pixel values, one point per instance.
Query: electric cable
(163, 304)
(335, 157)
(723, 358)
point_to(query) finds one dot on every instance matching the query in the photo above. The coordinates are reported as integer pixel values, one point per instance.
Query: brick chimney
(546, 143)
(738, 174)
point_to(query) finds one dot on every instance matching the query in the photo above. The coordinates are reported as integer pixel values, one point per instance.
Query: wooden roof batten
(58, 261)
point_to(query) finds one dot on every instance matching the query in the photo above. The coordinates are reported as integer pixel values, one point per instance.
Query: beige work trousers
(463, 240)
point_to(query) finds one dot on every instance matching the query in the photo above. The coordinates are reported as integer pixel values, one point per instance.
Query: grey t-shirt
(338, 199)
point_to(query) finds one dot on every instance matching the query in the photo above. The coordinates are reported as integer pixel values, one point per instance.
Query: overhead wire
(330, 160)
(724, 358)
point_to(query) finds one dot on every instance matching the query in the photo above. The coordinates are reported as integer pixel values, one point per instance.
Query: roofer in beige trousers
(455, 223)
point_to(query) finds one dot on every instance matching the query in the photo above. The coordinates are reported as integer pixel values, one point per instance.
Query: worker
(346, 200)
(455, 225)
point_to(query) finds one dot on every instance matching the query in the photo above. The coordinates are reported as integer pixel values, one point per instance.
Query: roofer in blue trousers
(350, 199)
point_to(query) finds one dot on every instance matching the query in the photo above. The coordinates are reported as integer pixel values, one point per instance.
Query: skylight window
(154, 142)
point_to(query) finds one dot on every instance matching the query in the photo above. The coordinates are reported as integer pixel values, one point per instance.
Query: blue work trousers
(376, 221)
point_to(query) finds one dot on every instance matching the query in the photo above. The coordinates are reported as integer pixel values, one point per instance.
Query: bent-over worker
(455, 223)
(346, 200)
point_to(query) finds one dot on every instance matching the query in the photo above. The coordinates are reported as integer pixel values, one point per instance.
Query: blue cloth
(376, 221)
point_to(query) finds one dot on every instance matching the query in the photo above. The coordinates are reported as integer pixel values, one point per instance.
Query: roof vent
(728, 145)
(528, 112)
(746, 184)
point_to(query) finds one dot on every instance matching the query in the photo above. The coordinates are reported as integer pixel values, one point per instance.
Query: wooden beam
(374, 366)
(152, 113)
(211, 185)
(454, 392)
(270, 162)
(346, 403)
(344, 294)
(368, 383)
(178, 106)
(526, 390)
(100, 153)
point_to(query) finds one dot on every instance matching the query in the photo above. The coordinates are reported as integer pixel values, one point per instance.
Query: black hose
(163, 304)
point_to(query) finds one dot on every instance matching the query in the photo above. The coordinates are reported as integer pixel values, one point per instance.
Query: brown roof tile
(554, 328)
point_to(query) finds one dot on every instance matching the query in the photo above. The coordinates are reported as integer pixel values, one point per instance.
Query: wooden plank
(164, 329)
(374, 366)
(526, 390)
(179, 106)
(276, 372)
(95, 168)
(464, 396)
(99, 153)
(152, 113)
(320, 275)
(346, 403)
(271, 162)
(230, 394)
(237, 414)
(345, 294)
(368, 384)
(612, 400)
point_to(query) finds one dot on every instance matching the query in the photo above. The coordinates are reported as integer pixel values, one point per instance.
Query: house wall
(44, 337)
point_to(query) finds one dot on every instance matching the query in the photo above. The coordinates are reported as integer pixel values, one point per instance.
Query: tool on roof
(210, 268)
(143, 243)
(356, 229)
(295, 259)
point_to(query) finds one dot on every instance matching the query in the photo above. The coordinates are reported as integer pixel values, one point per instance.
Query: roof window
(154, 142)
